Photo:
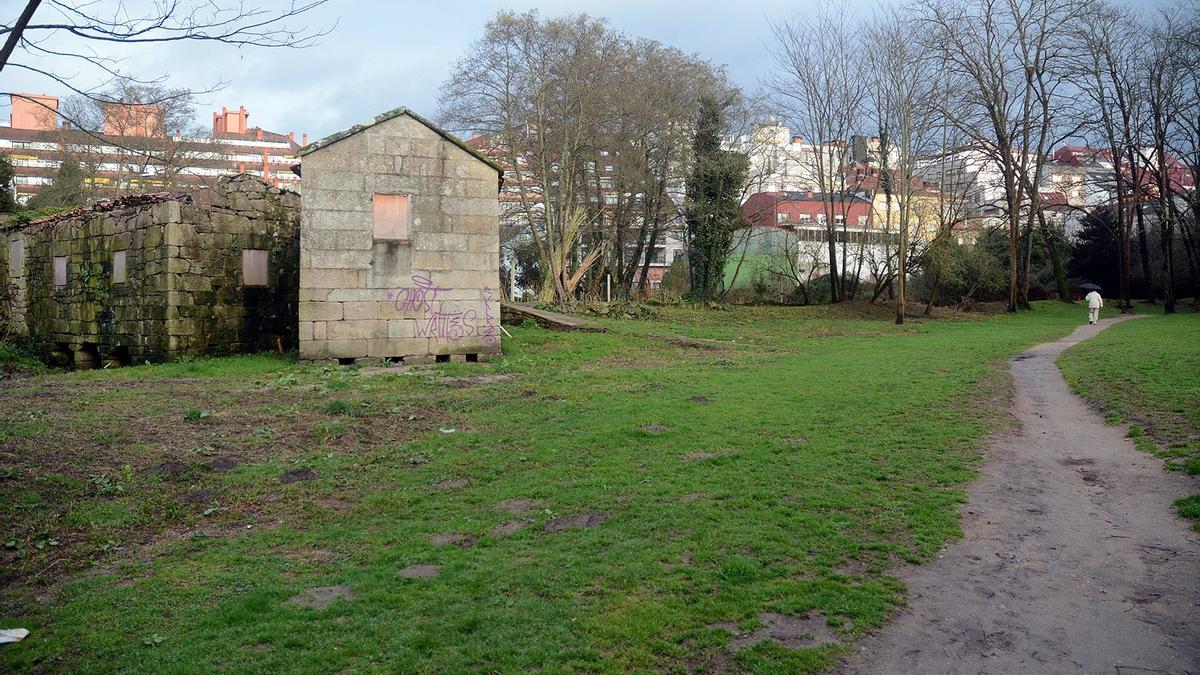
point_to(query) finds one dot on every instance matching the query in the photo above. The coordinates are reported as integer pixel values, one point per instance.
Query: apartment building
(135, 153)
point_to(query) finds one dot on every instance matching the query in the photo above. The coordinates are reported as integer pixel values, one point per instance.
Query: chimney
(258, 133)
(304, 139)
(797, 139)
(292, 136)
(266, 167)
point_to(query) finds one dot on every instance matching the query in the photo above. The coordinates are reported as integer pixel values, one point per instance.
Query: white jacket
(1094, 300)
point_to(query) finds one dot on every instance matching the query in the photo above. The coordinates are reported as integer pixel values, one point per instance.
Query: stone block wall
(183, 291)
(432, 292)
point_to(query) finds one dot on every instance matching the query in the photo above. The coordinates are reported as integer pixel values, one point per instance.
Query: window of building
(821, 218)
(591, 166)
(254, 267)
(60, 271)
(781, 217)
(604, 153)
(16, 257)
(392, 215)
(606, 183)
(862, 221)
(118, 267)
(676, 254)
(610, 199)
(839, 219)
(805, 218)
(608, 168)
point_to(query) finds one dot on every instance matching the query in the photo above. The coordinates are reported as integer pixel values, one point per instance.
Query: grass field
(656, 497)
(1147, 373)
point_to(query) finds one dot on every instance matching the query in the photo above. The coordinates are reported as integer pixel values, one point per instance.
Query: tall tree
(713, 208)
(1010, 58)
(595, 147)
(905, 92)
(1106, 58)
(818, 82)
(8, 199)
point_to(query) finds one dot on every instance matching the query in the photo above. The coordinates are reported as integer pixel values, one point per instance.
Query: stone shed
(158, 276)
(399, 245)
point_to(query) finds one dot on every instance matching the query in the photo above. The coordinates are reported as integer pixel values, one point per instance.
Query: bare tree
(905, 96)
(1009, 56)
(559, 102)
(1106, 67)
(819, 85)
(1163, 72)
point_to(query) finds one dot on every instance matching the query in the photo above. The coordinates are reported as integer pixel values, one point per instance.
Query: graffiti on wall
(436, 321)
(491, 329)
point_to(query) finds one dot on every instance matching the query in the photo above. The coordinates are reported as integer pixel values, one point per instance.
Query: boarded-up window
(16, 257)
(60, 270)
(391, 217)
(118, 267)
(254, 267)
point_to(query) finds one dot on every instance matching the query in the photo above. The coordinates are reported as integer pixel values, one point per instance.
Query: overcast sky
(388, 53)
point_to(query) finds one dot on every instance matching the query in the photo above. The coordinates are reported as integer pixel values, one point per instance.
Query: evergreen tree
(713, 208)
(67, 188)
(8, 197)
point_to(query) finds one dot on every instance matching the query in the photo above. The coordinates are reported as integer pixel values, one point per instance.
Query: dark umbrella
(1089, 287)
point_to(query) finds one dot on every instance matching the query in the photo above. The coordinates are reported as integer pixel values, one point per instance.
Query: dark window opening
(118, 357)
(472, 358)
(443, 358)
(87, 357)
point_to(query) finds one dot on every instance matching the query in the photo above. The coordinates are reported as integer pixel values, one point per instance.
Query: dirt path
(1072, 561)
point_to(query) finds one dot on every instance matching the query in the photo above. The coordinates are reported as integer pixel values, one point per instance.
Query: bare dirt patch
(171, 469)
(222, 464)
(420, 572)
(795, 441)
(450, 484)
(297, 475)
(453, 539)
(321, 597)
(791, 632)
(697, 456)
(580, 521)
(196, 497)
(655, 428)
(700, 399)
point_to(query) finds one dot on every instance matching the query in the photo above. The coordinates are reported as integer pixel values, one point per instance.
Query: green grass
(1147, 373)
(829, 445)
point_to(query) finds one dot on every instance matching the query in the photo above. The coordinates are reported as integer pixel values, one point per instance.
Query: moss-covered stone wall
(183, 293)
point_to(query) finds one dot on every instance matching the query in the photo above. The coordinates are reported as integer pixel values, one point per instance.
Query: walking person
(1095, 304)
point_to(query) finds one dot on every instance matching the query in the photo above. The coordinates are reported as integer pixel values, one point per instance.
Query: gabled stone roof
(392, 114)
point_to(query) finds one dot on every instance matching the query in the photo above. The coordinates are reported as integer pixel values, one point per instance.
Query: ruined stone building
(157, 276)
(399, 244)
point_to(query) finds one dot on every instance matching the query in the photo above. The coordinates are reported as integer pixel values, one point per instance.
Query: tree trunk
(1060, 277)
(1144, 249)
(933, 293)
